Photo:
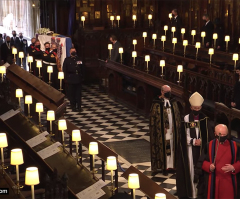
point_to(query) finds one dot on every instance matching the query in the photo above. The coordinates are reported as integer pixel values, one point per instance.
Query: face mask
(55, 50)
(73, 53)
(223, 138)
(196, 112)
(14, 35)
(167, 95)
(173, 15)
(48, 49)
(38, 46)
(204, 20)
(21, 37)
(8, 42)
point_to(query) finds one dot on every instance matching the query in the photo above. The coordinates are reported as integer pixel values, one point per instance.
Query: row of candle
(16, 159)
(112, 18)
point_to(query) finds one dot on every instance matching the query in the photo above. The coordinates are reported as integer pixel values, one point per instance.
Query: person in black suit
(219, 29)
(15, 40)
(115, 56)
(23, 48)
(37, 56)
(6, 51)
(73, 73)
(176, 22)
(209, 29)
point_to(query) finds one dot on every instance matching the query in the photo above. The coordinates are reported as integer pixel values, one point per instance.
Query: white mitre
(196, 99)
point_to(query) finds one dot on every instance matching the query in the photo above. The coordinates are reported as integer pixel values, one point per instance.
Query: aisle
(122, 130)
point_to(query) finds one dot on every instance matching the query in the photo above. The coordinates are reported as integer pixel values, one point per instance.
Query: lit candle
(173, 29)
(185, 43)
(203, 34)
(215, 37)
(2, 71)
(227, 39)
(39, 66)
(21, 56)
(162, 64)
(30, 60)
(197, 46)
(121, 52)
(174, 41)
(193, 33)
(165, 29)
(235, 59)
(112, 19)
(134, 55)
(118, 19)
(154, 37)
(144, 37)
(179, 70)
(134, 17)
(149, 18)
(110, 47)
(163, 39)
(147, 59)
(83, 20)
(210, 52)
(170, 16)
(183, 32)
(134, 43)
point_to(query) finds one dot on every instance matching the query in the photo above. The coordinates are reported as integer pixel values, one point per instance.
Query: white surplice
(190, 158)
(169, 134)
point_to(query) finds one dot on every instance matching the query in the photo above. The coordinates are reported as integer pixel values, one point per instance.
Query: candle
(227, 39)
(144, 37)
(193, 33)
(165, 29)
(154, 37)
(118, 19)
(203, 34)
(163, 39)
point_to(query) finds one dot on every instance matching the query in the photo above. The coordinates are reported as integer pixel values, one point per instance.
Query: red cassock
(223, 182)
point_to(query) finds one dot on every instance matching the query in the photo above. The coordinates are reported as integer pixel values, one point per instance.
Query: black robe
(157, 134)
(183, 177)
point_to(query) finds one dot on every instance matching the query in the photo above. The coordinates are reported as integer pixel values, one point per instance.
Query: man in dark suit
(73, 73)
(14, 39)
(177, 23)
(22, 48)
(115, 56)
(6, 51)
(209, 29)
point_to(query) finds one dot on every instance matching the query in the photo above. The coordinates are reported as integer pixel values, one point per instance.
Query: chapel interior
(116, 96)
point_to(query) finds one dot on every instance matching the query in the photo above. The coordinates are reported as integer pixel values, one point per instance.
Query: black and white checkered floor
(109, 122)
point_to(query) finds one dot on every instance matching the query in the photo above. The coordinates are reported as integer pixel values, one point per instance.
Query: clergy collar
(166, 102)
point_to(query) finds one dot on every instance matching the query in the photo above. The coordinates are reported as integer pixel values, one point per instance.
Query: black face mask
(21, 37)
(173, 15)
(38, 46)
(8, 42)
(73, 53)
(55, 50)
(48, 49)
(222, 138)
(195, 112)
(167, 95)
(14, 35)
(205, 21)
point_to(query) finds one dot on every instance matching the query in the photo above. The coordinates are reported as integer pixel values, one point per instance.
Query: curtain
(20, 15)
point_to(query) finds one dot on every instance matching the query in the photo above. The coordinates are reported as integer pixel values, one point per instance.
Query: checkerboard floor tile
(109, 121)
